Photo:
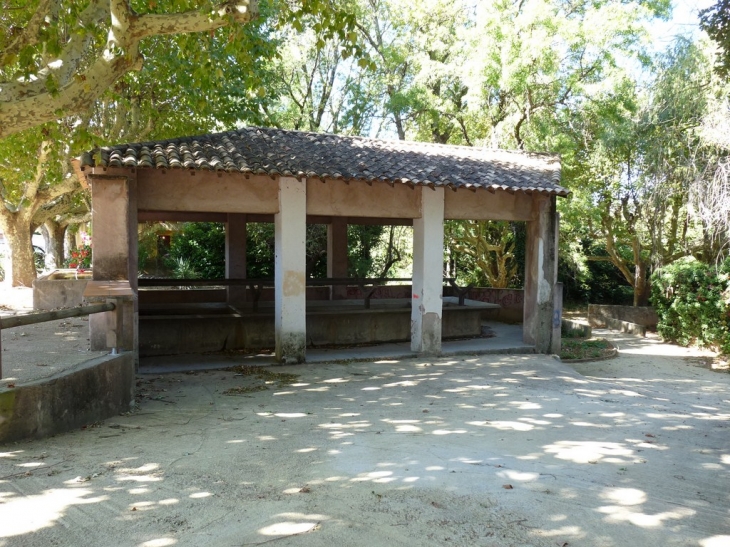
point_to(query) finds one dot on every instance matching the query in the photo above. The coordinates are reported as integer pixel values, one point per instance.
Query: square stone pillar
(114, 241)
(541, 274)
(337, 255)
(428, 264)
(290, 225)
(118, 332)
(236, 256)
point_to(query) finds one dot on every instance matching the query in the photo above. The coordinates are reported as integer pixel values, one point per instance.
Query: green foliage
(200, 247)
(486, 253)
(715, 21)
(182, 268)
(361, 242)
(639, 167)
(316, 250)
(692, 300)
(260, 250)
(595, 281)
(152, 247)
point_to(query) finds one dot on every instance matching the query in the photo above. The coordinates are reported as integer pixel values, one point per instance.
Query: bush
(201, 248)
(692, 300)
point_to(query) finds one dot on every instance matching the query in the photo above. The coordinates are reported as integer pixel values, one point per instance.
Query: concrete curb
(95, 390)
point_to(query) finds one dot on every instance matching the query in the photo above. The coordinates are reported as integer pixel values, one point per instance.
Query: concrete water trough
(166, 329)
(62, 288)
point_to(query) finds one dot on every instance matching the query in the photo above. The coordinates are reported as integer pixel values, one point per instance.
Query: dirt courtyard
(477, 451)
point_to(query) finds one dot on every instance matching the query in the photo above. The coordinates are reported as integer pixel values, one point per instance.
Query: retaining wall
(95, 390)
(639, 315)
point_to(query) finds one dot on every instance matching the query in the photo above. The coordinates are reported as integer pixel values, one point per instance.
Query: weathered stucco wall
(485, 205)
(199, 191)
(361, 200)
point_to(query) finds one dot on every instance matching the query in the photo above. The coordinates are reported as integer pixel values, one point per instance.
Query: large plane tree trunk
(17, 230)
(54, 234)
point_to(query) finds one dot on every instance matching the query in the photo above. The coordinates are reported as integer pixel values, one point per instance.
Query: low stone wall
(175, 296)
(343, 324)
(644, 316)
(95, 390)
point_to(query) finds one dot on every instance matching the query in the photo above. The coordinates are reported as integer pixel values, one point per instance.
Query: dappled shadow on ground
(513, 450)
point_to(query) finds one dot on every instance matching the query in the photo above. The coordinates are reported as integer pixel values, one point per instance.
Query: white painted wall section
(428, 263)
(290, 225)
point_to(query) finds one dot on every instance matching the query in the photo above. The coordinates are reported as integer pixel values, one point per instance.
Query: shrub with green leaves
(692, 300)
(201, 248)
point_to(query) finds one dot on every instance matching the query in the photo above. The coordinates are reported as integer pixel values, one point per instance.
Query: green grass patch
(594, 348)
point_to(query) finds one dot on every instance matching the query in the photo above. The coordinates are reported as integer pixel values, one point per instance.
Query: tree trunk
(54, 234)
(69, 243)
(642, 286)
(22, 266)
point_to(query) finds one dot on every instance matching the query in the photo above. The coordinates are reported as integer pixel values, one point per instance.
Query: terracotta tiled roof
(300, 154)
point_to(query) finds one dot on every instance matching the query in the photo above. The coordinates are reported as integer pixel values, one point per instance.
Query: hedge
(692, 300)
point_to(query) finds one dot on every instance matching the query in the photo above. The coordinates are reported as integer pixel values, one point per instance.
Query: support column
(541, 273)
(428, 264)
(337, 255)
(236, 256)
(290, 225)
(114, 240)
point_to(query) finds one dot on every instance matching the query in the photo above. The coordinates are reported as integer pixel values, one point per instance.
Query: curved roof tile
(275, 151)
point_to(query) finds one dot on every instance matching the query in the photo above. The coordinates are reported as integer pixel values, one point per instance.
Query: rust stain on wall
(294, 284)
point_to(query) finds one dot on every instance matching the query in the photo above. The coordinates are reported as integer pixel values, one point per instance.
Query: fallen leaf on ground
(507, 486)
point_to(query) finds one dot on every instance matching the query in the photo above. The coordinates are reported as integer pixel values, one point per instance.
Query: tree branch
(28, 103)
(30, 34)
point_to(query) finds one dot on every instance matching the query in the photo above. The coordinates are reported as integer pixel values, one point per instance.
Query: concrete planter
(60, 289)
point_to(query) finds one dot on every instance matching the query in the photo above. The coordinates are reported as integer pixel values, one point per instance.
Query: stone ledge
(625, 326)
(93, 391)
(644, 316)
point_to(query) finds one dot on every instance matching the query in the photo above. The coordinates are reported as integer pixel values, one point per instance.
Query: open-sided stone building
(291, 178)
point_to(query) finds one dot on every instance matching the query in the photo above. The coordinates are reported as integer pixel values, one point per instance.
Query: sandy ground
(42, 350)
(491, 451)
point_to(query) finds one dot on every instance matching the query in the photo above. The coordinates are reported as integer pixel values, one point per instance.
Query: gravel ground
(493, 451)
